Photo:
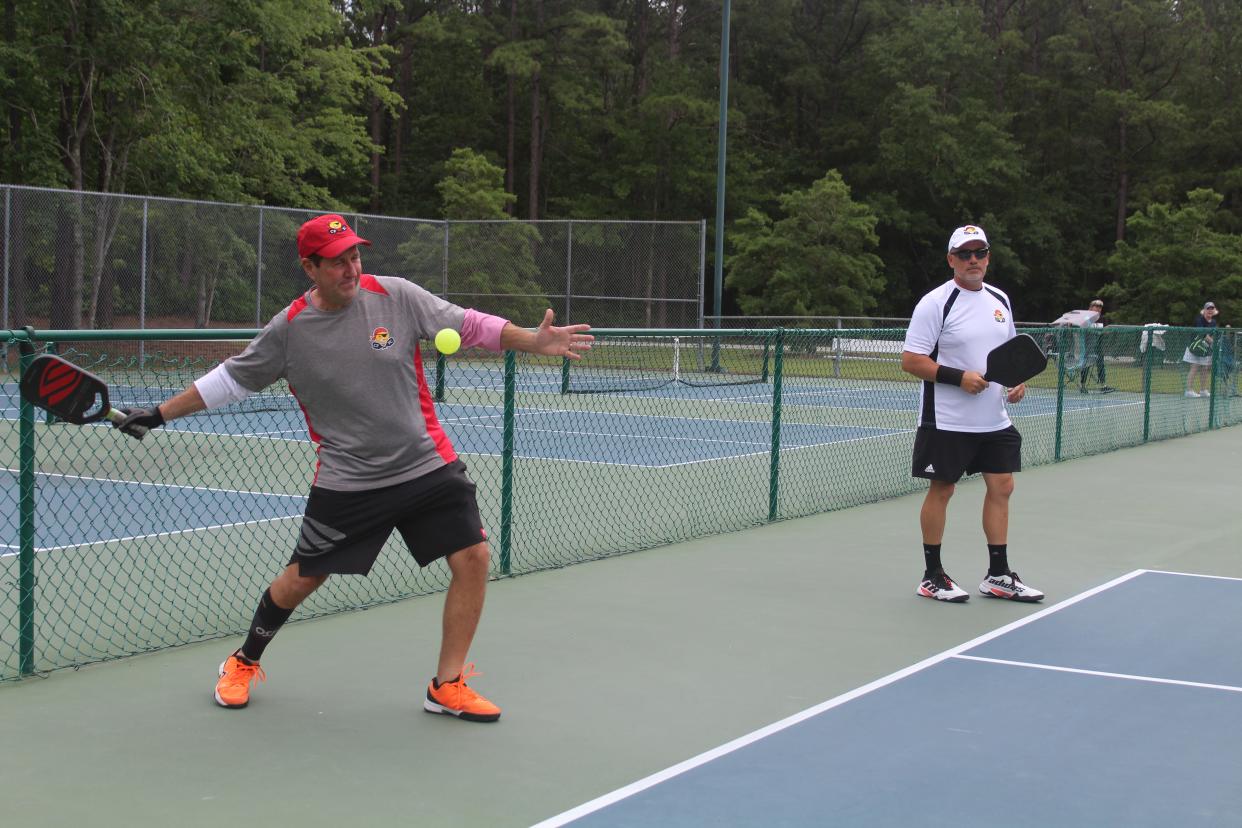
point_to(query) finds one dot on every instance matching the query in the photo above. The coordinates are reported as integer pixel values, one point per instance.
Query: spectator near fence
(1199, 353)
(1093, 346)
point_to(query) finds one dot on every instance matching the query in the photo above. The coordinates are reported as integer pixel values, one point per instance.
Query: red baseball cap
(328, 236)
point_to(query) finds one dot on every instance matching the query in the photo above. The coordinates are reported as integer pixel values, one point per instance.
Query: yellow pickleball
(448, 341)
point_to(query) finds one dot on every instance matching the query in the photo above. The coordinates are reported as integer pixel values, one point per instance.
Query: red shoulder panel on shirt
(295, 307)
(368, 282)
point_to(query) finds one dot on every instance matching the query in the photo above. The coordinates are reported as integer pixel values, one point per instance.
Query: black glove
(138, 421)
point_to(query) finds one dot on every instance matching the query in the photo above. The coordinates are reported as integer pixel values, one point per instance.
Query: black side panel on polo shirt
(928, 415)
(999, 298)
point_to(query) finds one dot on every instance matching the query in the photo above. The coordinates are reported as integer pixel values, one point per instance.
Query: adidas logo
(930, 468)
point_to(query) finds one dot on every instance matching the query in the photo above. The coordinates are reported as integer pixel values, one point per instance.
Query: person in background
(1093, 344)
(1201, 364)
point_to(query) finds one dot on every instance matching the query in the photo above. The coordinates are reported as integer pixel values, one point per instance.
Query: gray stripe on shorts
(317, 538)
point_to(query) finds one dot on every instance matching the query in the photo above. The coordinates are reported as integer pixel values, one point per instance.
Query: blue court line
(129, 510)
(785, 758)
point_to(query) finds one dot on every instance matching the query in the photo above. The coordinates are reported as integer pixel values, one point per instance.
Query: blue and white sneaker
(1010, 587)
(940, 587)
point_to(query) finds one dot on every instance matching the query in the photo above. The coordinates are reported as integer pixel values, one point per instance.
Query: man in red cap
(384, 462)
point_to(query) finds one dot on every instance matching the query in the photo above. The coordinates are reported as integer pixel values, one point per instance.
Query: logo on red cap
(328, 236)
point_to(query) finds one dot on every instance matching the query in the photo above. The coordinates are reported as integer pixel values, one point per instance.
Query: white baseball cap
(964, 234)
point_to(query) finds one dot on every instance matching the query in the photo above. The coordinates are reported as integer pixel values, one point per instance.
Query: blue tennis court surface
(578, 434)
(1117, 707)
(649, 441)
(150, 509)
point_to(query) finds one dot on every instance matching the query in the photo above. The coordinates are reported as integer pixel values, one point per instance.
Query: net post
(564, 375)
(1147, 365)
(837, 351)
(26, 526)
(1062, 342)
(1212, 381)
(676, 358)
(506, 465)
(441, 370)
(774, 467)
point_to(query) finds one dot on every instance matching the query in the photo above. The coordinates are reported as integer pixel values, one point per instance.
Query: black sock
(931, 559)
(268, 618)
(998, 559)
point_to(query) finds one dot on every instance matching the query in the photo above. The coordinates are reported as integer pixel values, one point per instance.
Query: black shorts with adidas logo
(343, 532)
(947, 455)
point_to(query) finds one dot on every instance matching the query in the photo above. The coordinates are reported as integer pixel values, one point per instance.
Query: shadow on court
(611, 671)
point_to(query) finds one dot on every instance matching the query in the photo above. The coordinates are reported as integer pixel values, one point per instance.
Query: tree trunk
(66, 293)
(17, 242)
(642, 30)
(536, 148)
(206, 294)
(376, 118)
(1123, 180)
(511, 118)
(107, 217)
(10, 169)
(76, 115)
(537, 130)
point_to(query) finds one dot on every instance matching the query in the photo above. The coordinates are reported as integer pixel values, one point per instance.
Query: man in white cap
(963, 425)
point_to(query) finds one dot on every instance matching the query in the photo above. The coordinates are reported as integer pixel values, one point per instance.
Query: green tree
(1176, 258)
(817, 260)
(473, 188)
(491, 257)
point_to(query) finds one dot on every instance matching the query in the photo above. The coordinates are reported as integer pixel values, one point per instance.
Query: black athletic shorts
(947, 455)
(343, 532)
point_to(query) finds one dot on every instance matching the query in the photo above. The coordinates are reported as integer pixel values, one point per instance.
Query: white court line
(155, 484)
(741, 742)
(1100, 673)
(174, 533)
(1192, 575)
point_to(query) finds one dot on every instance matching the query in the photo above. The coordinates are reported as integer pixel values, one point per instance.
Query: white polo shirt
(957, 328)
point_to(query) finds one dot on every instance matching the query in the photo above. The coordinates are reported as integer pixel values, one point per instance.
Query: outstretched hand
(566, 341)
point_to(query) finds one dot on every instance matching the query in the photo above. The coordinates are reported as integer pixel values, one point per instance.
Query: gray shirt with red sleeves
(357, 374)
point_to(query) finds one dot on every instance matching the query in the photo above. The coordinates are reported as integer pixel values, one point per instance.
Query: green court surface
(607, 671)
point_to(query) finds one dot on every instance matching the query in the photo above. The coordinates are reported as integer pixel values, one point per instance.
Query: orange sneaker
(457, 699)
(233, 688)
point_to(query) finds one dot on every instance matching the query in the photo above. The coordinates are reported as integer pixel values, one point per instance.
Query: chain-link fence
(77, 260)
(114, 547)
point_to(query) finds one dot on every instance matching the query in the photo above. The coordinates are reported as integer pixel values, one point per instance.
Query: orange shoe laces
(243, 673)
(467, 671)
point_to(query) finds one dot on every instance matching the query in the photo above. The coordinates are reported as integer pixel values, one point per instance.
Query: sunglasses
(964, 255)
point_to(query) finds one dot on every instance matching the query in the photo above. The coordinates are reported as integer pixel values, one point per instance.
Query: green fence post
(26, 527)
(1212, 382)
(506, 465)
(441, 370)
(1062, 343)
(1147, 366)
(775, 466)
